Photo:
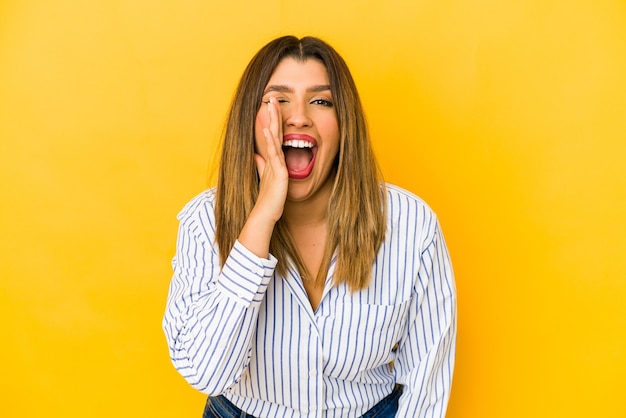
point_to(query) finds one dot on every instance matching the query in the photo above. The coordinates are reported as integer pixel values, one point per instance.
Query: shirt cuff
(245, 276)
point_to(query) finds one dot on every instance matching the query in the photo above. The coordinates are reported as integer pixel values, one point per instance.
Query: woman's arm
(426, 354)
(211, 313)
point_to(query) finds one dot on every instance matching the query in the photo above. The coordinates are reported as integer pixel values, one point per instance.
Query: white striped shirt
(247, 333)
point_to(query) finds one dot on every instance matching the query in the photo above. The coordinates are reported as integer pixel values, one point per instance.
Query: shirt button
(312, 373)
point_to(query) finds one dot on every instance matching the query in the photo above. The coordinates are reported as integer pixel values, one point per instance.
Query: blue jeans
(220, 407)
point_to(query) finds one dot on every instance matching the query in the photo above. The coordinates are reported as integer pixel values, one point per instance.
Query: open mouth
(299, 157)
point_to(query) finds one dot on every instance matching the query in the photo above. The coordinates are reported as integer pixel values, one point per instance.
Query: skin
(295, 103)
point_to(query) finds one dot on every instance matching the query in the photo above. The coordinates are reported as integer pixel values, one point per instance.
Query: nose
(297, 115)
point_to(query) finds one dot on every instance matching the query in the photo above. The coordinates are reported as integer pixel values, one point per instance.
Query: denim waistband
(220, 407)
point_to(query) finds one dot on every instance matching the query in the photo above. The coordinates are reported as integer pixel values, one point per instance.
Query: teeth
(295, 143)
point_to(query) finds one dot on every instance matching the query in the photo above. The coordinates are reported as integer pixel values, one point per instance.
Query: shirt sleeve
(426, 354)
(211, 312)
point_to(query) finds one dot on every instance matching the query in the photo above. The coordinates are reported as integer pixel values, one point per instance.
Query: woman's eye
(276, 100)
(323, 102)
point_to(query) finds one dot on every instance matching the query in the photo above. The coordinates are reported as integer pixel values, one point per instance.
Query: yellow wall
(509, 117)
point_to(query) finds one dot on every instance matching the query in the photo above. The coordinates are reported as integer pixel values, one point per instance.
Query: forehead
(293, 72)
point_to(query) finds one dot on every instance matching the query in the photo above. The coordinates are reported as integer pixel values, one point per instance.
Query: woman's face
(309, 125)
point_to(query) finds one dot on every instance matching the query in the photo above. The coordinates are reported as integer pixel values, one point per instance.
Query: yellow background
(508, 117)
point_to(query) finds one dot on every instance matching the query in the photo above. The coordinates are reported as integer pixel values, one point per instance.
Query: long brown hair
(356, 220)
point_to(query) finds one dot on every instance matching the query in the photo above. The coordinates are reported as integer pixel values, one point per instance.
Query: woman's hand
(257, 231)
(272, 169)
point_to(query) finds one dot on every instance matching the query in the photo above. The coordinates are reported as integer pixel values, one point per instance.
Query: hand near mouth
(274, 180)
(273, 171)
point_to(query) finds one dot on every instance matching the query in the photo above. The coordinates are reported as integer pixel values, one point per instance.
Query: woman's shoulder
(202, 203)
(407, 211)
(404, 198)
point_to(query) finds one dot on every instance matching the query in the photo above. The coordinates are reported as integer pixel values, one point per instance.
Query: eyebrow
(281, 88)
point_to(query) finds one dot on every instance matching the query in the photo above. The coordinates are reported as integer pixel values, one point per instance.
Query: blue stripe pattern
(247, 333)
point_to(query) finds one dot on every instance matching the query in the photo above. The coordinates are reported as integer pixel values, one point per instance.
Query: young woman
(303, 285)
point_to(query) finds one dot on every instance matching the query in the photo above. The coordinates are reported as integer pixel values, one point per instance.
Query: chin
(300, 189)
